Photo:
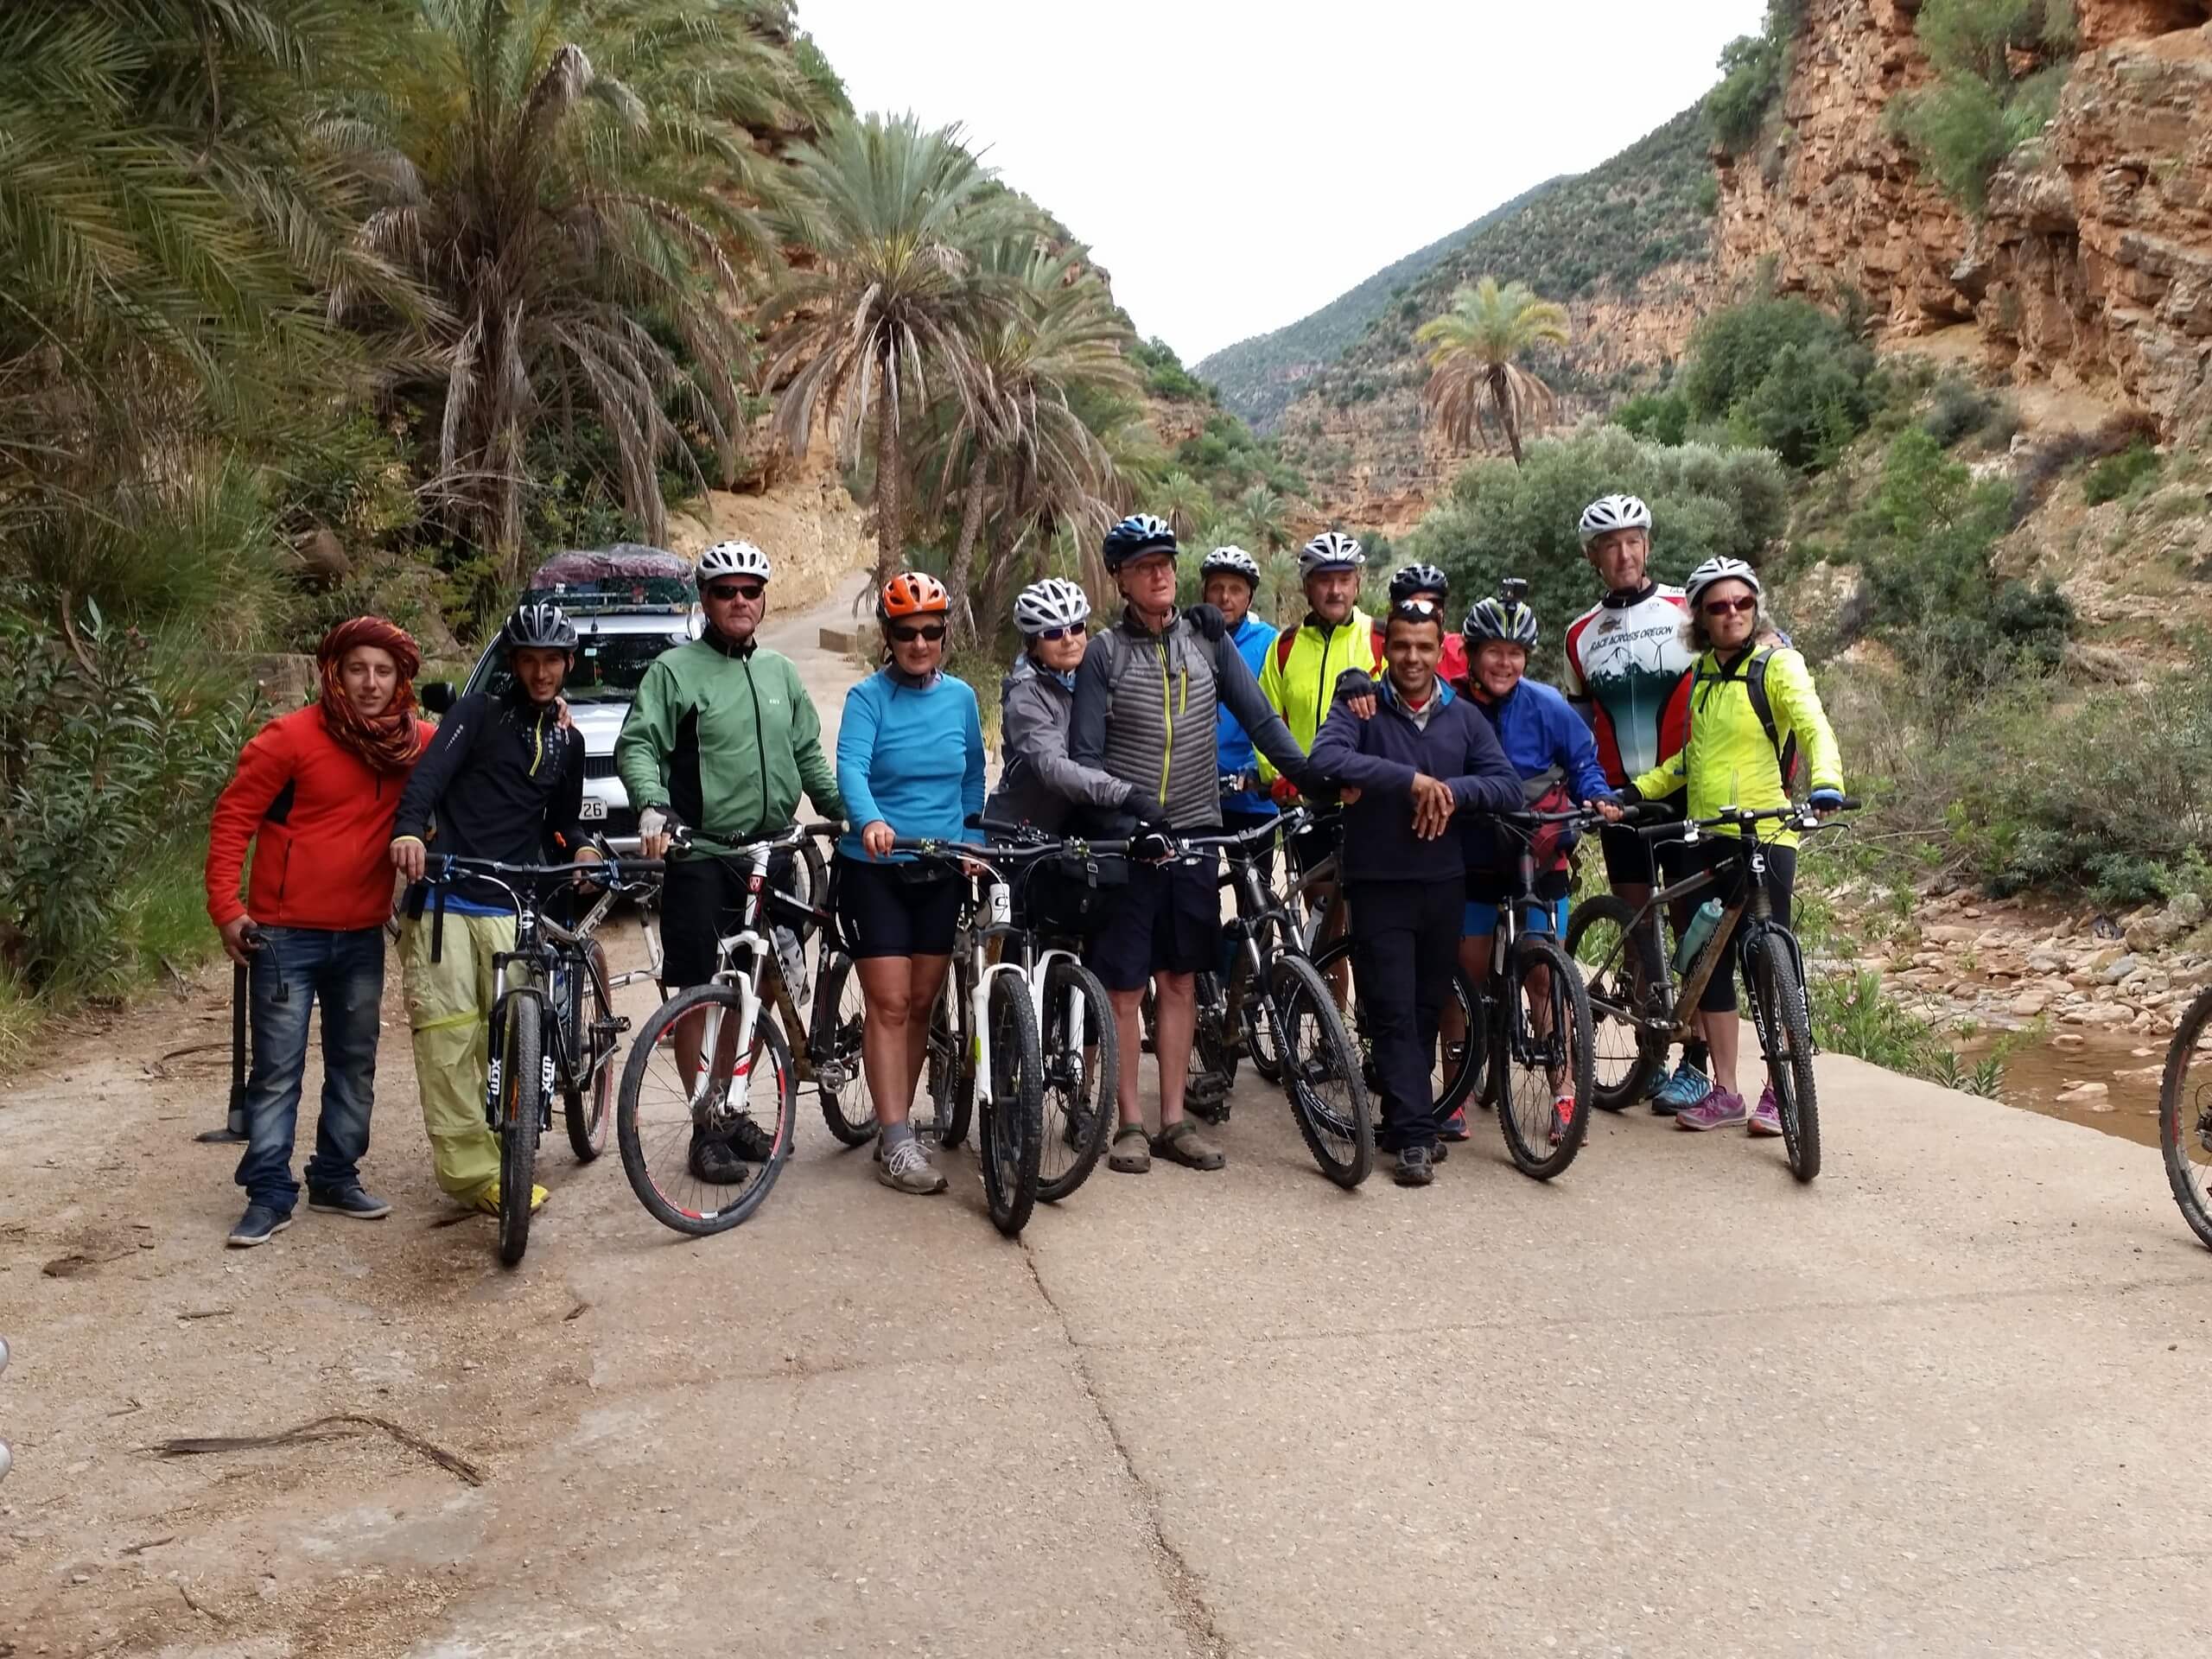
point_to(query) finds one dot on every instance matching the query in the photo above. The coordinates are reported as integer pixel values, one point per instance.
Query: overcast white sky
(1237, 164)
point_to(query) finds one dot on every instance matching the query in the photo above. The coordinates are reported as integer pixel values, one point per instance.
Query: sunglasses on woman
(725, 591)
(1731, 606)
(933, 632)
(1073, 630)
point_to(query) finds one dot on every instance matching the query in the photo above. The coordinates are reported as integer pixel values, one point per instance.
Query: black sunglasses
(1731, 606)
(726, 591)
(1075, 629)
(933, 633)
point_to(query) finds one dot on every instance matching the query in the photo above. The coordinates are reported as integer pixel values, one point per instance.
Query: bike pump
(233, 1129)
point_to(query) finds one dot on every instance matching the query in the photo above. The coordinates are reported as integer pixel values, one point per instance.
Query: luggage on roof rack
(627, 577)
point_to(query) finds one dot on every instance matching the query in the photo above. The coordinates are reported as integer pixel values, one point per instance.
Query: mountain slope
(1257, 377)
(1627, 246)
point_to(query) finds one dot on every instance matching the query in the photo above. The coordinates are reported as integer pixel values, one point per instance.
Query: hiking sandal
(1131, 1154)
(1181, 1143)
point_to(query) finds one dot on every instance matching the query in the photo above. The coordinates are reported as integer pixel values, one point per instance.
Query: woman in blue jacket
(1550, 746)
(910, 762)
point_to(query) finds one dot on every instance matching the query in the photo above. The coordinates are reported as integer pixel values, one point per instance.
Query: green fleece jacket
(725, 737)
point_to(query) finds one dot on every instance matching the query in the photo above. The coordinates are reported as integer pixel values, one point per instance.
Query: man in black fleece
(505, 779)
(1424, 757)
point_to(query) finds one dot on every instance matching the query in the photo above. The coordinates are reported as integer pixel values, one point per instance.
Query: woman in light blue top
(910, 762)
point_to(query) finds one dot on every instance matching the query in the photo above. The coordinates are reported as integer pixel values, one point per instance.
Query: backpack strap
(1753, 674)
(1285, 642)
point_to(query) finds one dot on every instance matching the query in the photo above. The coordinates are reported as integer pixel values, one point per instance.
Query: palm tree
(171, 214)
(893, 216)
(1181, 499)
(1267, 518)
(1474, 374)
(573, 180)
(1015, 425)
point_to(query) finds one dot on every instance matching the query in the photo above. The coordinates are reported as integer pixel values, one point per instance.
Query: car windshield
(608, 667)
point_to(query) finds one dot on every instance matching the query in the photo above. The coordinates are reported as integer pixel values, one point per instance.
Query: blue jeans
(296, 967)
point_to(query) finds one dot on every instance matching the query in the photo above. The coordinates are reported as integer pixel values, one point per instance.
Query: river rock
(2069, 1040)
(2118, 969)
(2187, 908)
(2028, 1004)
(2087, 1094)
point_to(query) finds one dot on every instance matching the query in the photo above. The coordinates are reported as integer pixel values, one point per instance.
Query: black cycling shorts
(1167, 920)
(1628, 857)
(897, 909)
(702, 902)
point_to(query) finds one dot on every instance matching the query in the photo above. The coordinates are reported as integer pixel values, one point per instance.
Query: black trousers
(1405, 942)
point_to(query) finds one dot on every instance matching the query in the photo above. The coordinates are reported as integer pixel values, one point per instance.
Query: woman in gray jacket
(1038, 785)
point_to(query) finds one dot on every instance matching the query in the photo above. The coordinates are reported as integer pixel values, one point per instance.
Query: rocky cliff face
(2094, 265)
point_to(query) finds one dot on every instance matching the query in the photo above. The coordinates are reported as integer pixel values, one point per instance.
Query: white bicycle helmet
(1331, 551)
(1234, 560)
(1721, 569)
(1055, 602)
(1612, 513)
(732, 559)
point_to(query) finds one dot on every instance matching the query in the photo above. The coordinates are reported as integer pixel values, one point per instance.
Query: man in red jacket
(315, 791)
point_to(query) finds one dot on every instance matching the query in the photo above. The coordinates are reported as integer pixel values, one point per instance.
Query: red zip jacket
(323, 819)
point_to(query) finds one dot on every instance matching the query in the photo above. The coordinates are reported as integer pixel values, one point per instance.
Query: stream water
(2130, 1068)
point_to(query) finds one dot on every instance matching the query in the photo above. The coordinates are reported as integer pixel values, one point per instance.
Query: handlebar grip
(1850, 804)
(824, 827)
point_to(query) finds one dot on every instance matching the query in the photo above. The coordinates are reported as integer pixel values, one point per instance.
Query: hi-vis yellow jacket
(1298, 679)
(1731, 759)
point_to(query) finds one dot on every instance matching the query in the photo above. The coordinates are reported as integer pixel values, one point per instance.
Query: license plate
(593, 809)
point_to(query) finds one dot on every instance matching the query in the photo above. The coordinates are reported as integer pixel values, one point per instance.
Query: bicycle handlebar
(450, 866)
(1797, 814)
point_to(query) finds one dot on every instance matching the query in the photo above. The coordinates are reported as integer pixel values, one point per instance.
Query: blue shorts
(1546, 913)
(1537, 916)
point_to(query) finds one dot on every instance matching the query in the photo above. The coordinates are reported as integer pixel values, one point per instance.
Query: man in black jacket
(505, 779)
(1426, 756)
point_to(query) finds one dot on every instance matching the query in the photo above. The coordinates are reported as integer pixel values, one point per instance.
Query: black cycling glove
(1208, 620)
(1149, 813)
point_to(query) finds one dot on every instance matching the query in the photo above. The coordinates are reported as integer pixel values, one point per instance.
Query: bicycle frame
(1747, 920)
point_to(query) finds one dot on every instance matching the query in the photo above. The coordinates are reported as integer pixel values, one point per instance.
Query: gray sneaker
(1416, 1166)
(907, 1168)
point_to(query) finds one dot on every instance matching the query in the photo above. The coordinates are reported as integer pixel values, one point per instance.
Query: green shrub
(1164, 376)
(103, 771)
(1978, 111)
(2116, 475)
(1498, 519)
(1662, 415)
(1753, 70)
(1959, 408)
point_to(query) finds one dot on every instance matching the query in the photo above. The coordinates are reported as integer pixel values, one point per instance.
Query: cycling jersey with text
(1627, 663)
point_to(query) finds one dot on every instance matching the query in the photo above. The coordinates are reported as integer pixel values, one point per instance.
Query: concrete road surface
(1947, 1401)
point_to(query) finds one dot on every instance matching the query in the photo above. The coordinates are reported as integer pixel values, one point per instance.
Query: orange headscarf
(389, 743)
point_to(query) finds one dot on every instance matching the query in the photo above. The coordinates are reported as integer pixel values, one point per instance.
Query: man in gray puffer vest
(1144, 703)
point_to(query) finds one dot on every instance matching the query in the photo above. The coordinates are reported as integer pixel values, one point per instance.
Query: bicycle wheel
(591, 1024)
(662, 1117)
(1786, 1037)
(1014, 1117)
(1272, 937)
(1624, 1057)
(1321, 1072)
(1457, 1065)
(809, 884)
(1082, 1059)
(522, 1088)
(834, 1050)
(1541, 1054)
(2185, 1115)
(952, 1080)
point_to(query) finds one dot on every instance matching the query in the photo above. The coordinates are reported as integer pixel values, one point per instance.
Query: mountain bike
(551, 1025)
(806, 879)
(707, 1063)
(2185, 1114)
(1278, 1009)
(1636, 1019)
(984, 1042)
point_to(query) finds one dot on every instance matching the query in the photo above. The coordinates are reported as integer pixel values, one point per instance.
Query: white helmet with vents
(1055, 602)
(732, 559)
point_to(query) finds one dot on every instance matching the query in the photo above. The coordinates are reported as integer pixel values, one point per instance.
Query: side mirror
(436, 695)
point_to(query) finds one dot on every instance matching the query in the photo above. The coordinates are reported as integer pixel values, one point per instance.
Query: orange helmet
(911, 593)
